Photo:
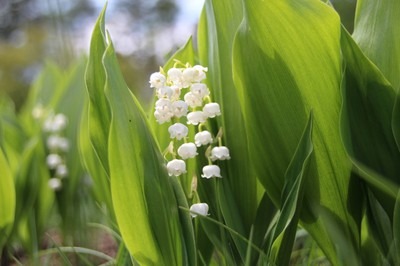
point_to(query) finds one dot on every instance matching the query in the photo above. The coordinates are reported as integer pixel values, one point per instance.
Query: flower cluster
(58, 146)
(183, 99)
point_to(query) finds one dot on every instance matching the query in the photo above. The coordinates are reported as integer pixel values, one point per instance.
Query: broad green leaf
(99, 111)
(286, 62)
(291, 200)
(143, 198)
(217, 27)
(366, 122)
(7, 199)
(377, 32)
(379, 223)
(92, 163)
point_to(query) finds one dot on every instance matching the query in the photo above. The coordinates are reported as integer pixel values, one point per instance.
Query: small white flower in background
(193, 100)
(203, 138)
(38, 111)
(187, 150)
(62, 170)
(55, 183)
(196, 117)
(53, 160)
(176, 167)
(220, 153)
(180, 108)
(55, 142)
(211, 171)
(161, 118)
(178, 131)
(211, 110)
(165, 92)
(200, 90)
(59, 122)
(55, 123)
(157, 80)
(199, 209)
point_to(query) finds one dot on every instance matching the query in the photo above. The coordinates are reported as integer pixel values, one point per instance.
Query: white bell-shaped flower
(161, 118)
(180, 108)
(165, 92)
(199, 89)
(175, 76)
(203, 138)
(163, 106)
(53, 160)
(62, 170)
(187, 150)
(211, 171)
(176, 167)
(220, 153)
(55, 183)
(178, 131)
(157, 80)
(199, 73)
(211, 110)
(193, 100)
(199, 209)
(176, 93)
(196, 117)
(188, 75)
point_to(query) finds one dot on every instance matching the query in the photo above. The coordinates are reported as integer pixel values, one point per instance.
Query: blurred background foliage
(147, 31)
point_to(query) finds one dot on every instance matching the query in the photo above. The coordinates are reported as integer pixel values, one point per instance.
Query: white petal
(199, 209)
(211, 171)
(196, 117)
(203, 138)
(176, 167)
(187, 150)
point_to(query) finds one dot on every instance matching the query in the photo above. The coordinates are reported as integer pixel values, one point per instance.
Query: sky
(125, 43)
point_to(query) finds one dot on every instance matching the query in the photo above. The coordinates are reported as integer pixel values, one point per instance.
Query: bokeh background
(145, 33)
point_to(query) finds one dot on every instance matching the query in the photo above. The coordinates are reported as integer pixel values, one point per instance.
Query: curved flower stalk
(185, 101)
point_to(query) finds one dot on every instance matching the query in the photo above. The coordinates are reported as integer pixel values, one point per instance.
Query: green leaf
(99, 111)
(143, 198)
(217, 28)
(377, 32)
(366, 121)
(291, 201)
(396, 228)
(7, 199)
(286, 61)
